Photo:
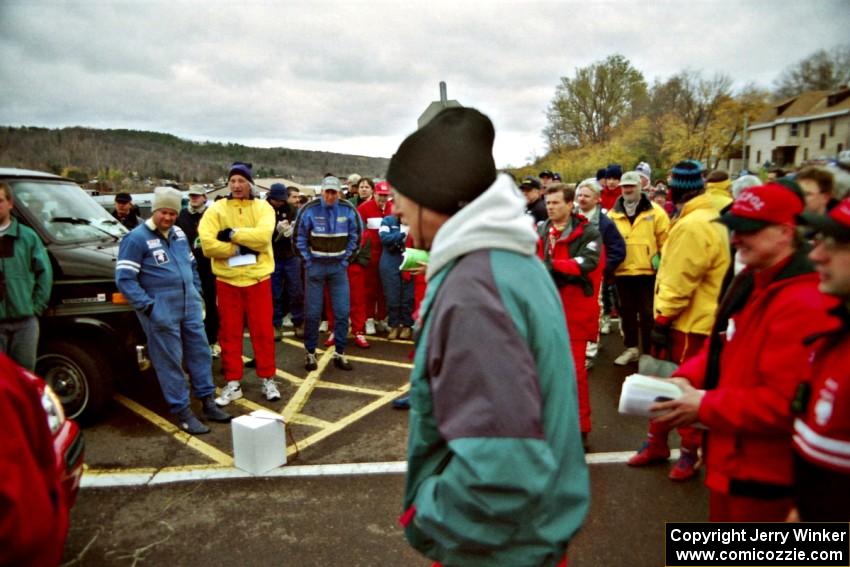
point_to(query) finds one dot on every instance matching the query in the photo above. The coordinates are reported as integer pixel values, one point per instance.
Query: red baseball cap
(836, 223)
(382, 188)
(761, 206)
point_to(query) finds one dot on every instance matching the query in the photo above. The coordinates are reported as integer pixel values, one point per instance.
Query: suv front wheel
(78, 378)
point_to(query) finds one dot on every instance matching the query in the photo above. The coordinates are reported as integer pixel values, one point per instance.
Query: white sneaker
(287, 321)
(382, 326)
(605, 325)
(215, 350)
(590, 350)
(323, 327)
(270, 390)
(370, 326)
(631, 354)
(231, 391)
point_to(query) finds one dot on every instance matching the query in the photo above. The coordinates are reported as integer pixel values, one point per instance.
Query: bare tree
(822, 70)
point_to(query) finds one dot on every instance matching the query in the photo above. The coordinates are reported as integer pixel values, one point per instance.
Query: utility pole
(437, 106)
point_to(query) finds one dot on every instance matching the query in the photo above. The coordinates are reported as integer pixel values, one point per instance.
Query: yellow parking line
(379, 361)
(349, 419)
(289, 377)
(349, 388)
(181, 436)
(300, 344)
(297, 402)
(142, 470)
(310, 421)
(386, 340)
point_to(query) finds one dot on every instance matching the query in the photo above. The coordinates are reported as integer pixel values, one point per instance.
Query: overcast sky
(353, 77)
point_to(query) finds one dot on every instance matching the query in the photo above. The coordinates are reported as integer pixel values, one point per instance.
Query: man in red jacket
(749, 368)
(571, 247)
(373, 212)
(822, 432)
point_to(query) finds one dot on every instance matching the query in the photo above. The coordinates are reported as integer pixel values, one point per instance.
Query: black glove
(246, 250)
(660, 336)
(224, 235)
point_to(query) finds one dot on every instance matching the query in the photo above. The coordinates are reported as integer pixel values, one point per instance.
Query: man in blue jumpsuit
(327, 232)
(156, 272)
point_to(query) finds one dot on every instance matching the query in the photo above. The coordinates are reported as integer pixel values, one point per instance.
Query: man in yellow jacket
(236, 233)
(644, 226)
(694, 261)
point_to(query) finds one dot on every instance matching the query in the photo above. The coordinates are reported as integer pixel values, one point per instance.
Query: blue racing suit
(158, 277)
(325, 238)
(398, 291)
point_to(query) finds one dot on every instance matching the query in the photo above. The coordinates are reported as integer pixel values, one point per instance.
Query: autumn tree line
(125, 159)
(608, 113)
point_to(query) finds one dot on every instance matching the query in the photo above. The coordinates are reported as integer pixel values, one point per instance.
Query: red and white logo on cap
(749, 201)
(773, 203)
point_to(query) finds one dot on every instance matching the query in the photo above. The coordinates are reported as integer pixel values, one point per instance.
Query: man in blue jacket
(156, 272)
(327, 232)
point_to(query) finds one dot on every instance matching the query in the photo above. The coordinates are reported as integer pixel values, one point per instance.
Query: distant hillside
(124, 158)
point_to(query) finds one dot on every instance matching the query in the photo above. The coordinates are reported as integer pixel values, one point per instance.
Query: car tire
(79, 379)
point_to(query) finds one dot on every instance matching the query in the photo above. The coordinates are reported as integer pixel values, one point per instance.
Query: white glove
(284, 228)
(404, 228)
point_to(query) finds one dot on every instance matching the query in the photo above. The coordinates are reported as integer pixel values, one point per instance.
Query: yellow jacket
(644, 238)
(694, 262)
(720, 193)
(253, 221)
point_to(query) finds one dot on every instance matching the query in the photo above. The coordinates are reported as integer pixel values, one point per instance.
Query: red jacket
(609, 196)
(822, 431)
(34, 517)
(370, 210)
(576, 262)
(751, 367)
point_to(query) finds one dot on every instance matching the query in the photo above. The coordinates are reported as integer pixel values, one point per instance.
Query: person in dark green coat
(26, 279)
(496, 471)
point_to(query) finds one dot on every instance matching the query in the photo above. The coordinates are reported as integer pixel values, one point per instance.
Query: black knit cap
(448, 162)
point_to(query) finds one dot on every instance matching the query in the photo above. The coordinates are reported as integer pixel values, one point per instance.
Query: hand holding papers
(640, 392)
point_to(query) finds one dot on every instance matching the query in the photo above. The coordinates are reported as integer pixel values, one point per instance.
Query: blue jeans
(19, 339)
(287, 275)
(397, 292)
(335, 275)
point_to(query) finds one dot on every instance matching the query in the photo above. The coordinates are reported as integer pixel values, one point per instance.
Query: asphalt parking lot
(153, 495)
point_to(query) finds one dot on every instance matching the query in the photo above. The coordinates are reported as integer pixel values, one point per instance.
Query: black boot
(213, 412)
(188, 422)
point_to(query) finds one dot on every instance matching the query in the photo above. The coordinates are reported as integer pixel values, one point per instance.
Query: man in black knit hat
(494, 455)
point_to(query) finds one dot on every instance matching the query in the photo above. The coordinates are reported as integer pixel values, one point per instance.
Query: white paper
(374, 223)
(639, 392)
(241, 260)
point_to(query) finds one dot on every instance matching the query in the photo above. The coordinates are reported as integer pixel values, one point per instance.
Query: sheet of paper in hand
(639, 392)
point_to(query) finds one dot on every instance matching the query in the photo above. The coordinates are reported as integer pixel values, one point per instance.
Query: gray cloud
(353, 77)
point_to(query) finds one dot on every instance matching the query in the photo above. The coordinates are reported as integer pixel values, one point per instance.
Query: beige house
(810, 126)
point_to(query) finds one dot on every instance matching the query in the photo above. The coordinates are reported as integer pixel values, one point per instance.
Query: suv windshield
(64, 211)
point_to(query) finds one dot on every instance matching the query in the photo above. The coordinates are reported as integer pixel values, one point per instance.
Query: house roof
(807, 105)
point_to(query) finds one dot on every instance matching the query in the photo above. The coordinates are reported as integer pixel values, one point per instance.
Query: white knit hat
(167, 198)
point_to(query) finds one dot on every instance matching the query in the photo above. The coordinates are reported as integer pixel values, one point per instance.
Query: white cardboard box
(259, 441)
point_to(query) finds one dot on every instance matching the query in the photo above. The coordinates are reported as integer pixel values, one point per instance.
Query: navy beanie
(448, 162)
(243, 169)
(600, 174)
(614, 170)
(277, 192)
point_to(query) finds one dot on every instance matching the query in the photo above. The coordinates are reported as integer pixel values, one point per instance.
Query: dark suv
(89, 335)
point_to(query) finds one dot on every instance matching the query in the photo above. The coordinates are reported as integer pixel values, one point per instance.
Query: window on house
(758, 157)
(822, 141)
(772, 133)
(806, 130)
(747, 153)
(805, 154)
(840, 148)
(793, 129)
(831, 127)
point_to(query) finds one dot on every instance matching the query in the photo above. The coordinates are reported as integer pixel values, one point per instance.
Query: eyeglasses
(830, 243)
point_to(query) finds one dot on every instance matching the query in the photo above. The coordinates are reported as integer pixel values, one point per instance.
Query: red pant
(357, 295)
(235, 305)
(684, 346)
(376, 306)
(727, 508)
(579, 356)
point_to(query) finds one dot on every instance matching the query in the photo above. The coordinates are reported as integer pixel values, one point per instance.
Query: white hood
(495, 220)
